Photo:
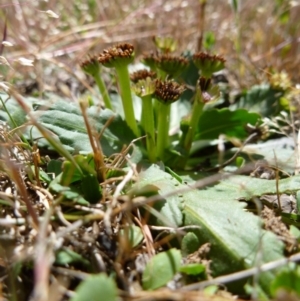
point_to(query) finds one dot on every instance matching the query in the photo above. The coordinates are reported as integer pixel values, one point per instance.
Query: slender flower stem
(196, 113)
(103, 91)
(163, 129)
(125, 91)
(147, 122)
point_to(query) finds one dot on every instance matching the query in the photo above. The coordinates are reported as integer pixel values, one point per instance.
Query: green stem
(162, 75)
(147, 122)
(125, 91)
(103, 91)
(196, 113)
(163, 129)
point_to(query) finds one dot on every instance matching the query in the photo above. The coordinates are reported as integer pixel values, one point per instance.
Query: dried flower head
(90, 65)
(142, 75)
(119, 55)
(165, 44)
(168, 91)
(208, 64)
(171, 64)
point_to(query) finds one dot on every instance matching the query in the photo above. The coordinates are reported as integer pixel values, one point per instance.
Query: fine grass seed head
(119, 55)
(90, 65)
(142, 75)
(172, 65)
(208, 64)
(168, 91)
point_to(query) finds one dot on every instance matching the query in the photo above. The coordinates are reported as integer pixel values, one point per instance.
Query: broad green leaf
(78, 186)
(38, 130)
(214, 122)
(15, 111)
(189, 77)
(245, 187)
(68, 193)
(191, 74)
(295, 232)
(236, 236)
(55, 167)
(161, 269)
(278, 152)
(262, 99)
(161, 183)
(96, 287)
(70, 174)
(65, 120)
(91, 189)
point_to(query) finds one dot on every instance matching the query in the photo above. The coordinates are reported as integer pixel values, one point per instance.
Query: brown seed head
(90, 65)
(142, 74)
(117, 55)
(168, 91)
(171, 64)
(208, 64)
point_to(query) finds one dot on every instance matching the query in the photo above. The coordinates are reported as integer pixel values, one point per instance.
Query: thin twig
(114, 200)
(96, 147)
(43, 261)
(15, 174)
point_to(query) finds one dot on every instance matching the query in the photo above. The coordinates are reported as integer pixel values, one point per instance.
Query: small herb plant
(158, 88)
(115, 208)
